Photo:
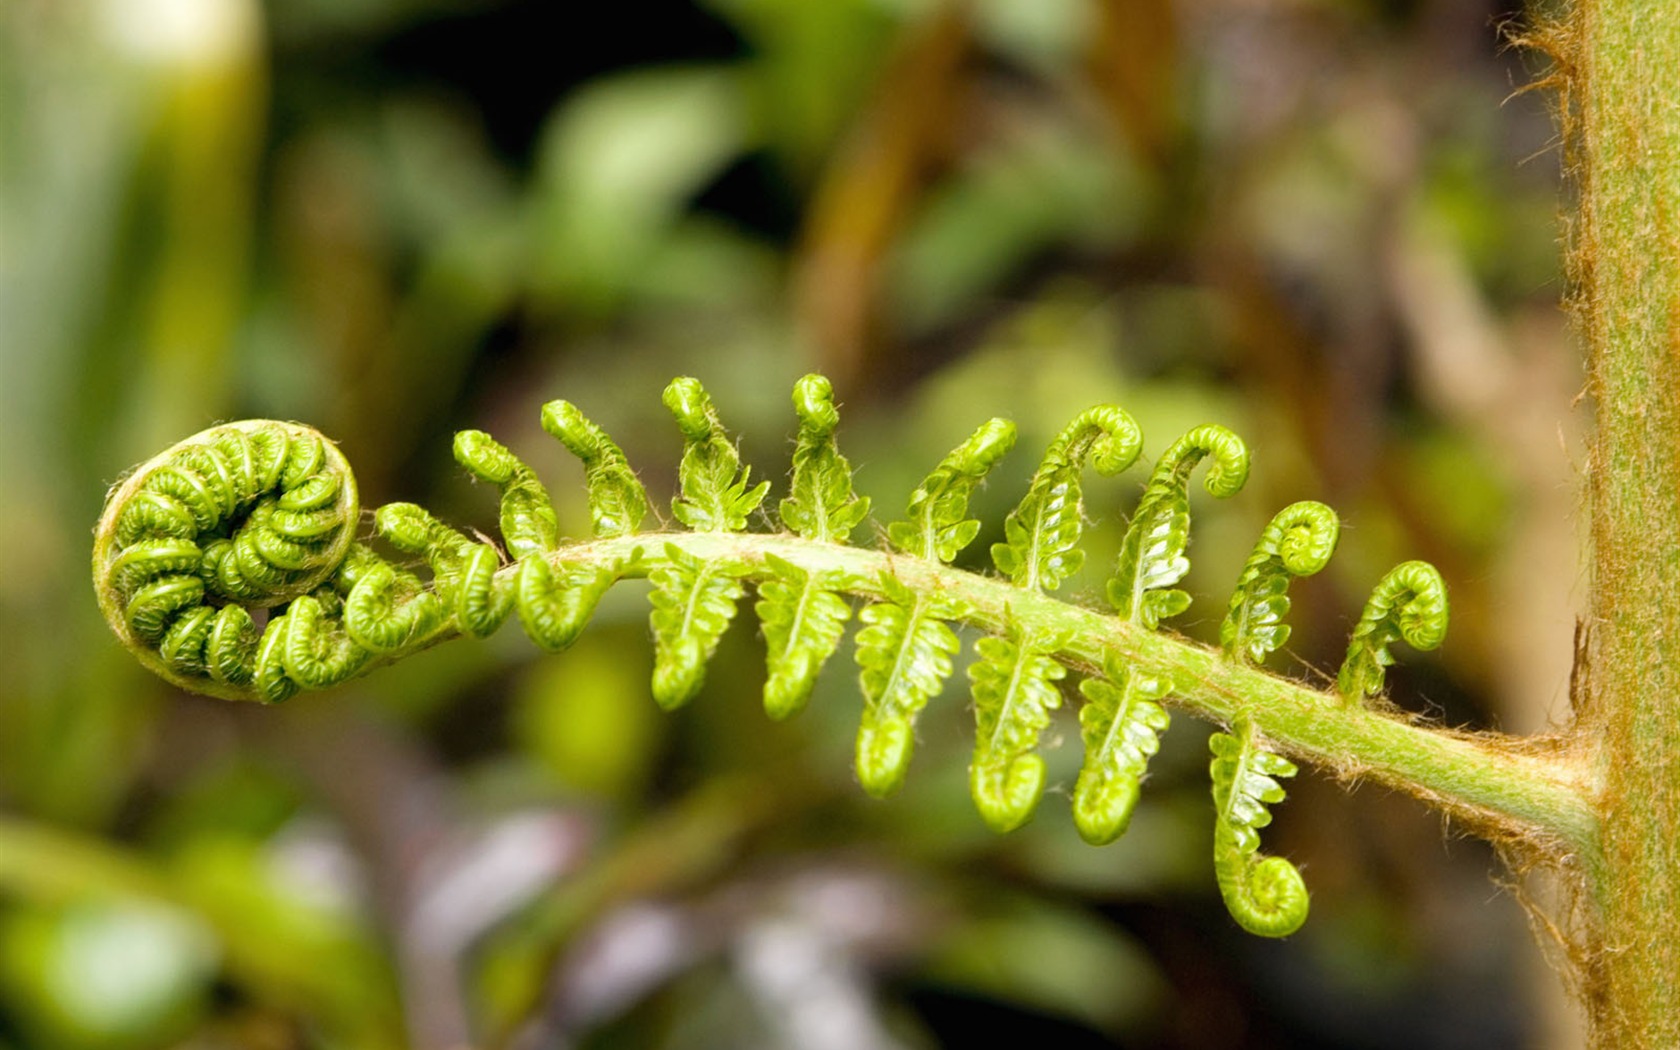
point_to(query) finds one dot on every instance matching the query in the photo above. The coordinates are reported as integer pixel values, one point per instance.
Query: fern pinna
(230, 565)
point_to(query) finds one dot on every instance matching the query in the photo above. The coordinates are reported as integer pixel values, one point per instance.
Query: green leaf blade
(803, 620)
(617, 501)
(1120, 724)
(937, 528)
(694, 601)
(1040, 534)
(1265, 895)
(715, 496)
(904, 654)
(821, 505)
(1014, 692)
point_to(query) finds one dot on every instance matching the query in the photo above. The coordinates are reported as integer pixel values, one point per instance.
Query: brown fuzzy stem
(1626, 87)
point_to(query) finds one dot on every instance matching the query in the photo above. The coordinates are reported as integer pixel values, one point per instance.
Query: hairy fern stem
(1503, 786)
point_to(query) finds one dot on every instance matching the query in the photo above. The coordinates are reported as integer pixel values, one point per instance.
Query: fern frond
(319, 652)
(1152, 554)
(617, 502)
(387, 609)
(268, 675)
(904, 654)
(693, 602)
(230, 653)
(1014, 682)
(483, 597)
(183, 642)
(803, 619)
(412, 530)
(1120, 724)
(1410, 604)
(938, 526)
(1041, 532)
(1264, 894)
(1298, 542)
(555, 606)
(254, 523)
(715, 496)
(527, 514)
(821, 505)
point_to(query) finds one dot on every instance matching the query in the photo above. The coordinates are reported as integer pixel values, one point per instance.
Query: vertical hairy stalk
(1623, 68)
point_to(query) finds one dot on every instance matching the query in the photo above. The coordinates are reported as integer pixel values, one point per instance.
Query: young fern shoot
(1410, 604)
(694, 598)
(802, 613)
(1124, 714)
(905, 649)
(229, 565)
(1014, 677)
(1265, 895)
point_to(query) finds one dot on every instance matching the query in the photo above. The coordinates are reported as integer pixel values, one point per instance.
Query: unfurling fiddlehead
(617, 502)
(1041, 532)
(905, 648)
(1120, 724)
(801, 614)
(254, 513)
(694, 599)
(229, 564)
(1264, 894)
(1410, 604)
(1298, 542)
(1014, 677)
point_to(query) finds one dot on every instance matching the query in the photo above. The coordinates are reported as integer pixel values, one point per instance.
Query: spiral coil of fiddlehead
(1122, 721)
(230, 565)
(1408, 604)
(1266, 895)
(1297, 542)
(906, 647)
(242, 516)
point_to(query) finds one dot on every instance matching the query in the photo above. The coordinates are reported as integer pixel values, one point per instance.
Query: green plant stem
(1627, 88)
(1525, 796)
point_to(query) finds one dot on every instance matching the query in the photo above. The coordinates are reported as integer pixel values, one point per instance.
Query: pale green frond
(1409, 604)
(1266, 895)
(1298, 542)
(803, 619)
(715, 496)
(528, 523)
(938, 526)
(1121, 724)
(821, 504)
(1152, 554)
(1041, 532)
(904, 655)
(693, 602)
(617, 502)
(1014, 684)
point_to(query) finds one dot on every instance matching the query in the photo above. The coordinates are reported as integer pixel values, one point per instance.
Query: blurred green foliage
(1312, 222)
